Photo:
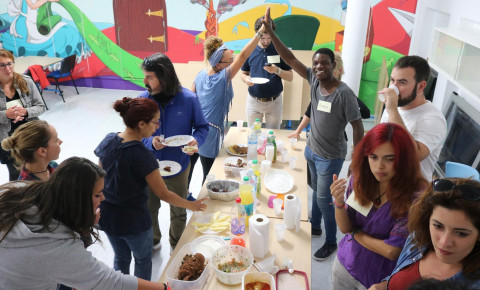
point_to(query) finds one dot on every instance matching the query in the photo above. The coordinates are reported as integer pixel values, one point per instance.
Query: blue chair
(66, 68)
(454, 169)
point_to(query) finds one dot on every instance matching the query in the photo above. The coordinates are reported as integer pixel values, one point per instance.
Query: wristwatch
(259, 35)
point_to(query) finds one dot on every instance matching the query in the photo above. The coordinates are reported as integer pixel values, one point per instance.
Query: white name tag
(364, 210)
(10, 104)
(324, 106)
(273, 59)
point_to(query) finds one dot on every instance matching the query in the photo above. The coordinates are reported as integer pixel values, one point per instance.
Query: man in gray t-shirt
(333, 106)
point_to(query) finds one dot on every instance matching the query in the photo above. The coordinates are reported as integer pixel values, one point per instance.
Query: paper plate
(211, 241)
(178, 140)
(278, 181)
(174, 167)
(206, 219)
(259, 80)
(229, 151)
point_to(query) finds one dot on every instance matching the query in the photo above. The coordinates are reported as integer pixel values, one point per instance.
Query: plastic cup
(269, 152)
(266, 164)
(280, 145)
(239, 123)
(381, 97)
(277, 206)
(293, 142)
(243, 173)
(280, 231)
(292, 161)
(284, 154)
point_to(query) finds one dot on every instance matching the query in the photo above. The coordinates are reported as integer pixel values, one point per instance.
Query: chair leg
(74, 83)
(60, 92)
(41, 95)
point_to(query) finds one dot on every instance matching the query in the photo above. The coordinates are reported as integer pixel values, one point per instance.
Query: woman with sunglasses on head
(20, 102)
(445, 239)
(385, 180)
(35, 145)
(131, 168)
(215, 92)
(43, 228)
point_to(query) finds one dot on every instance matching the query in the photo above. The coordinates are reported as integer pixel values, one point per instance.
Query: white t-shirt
(428, 126)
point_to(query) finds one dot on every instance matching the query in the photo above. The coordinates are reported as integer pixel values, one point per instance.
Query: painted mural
(110, 38)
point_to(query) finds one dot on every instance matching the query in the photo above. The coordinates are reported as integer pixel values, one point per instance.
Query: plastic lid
(245, 178)
(238, 199)
(271, 132)
(255, 161)
(257, 120)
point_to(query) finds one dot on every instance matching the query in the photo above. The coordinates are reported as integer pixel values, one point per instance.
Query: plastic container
(247, 198)
(172, 271)
(234, 170)
(252, 145)
(226, 254)
(231, 187)
(258, 277)
(237, 224)
(258, 127)
(271, 141)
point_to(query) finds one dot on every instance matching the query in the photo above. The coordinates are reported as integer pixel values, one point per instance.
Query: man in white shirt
(410, 109)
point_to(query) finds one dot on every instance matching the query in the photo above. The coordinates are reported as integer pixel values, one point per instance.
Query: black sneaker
(325, 251)
(316, 232)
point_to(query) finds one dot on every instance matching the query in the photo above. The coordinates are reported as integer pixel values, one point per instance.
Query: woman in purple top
(386, 178)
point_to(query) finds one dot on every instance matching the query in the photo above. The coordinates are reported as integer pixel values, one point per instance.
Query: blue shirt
(182, 115)
(255, 63)
(411, 254)
(215, 93)
(125, 209)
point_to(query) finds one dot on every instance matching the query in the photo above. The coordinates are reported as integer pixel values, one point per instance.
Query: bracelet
(343, 206)
(352, 234)
(279, 72)
(258, 35)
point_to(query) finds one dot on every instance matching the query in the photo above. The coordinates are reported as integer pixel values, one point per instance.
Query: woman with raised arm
(385, 180)
(131, 168)
(43, 228)
(215, 92)
(444, 243)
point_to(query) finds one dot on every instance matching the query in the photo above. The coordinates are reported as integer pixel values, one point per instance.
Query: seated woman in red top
(445, 240)
(34, 145)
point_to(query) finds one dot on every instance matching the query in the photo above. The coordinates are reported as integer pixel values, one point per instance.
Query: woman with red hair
(385, 180)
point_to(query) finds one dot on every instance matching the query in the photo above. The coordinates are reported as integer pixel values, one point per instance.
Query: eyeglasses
(229, 61)
(158, 123)
(469, 192)
(8, 64)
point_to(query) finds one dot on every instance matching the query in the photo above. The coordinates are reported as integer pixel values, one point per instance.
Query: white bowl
(226, 254)
(229, 185)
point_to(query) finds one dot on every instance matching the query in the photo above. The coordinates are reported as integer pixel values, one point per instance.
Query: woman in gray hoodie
(45, 226)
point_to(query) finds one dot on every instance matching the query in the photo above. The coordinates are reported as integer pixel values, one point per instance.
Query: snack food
(216, 223)
(240, 150)
(257, 286)
(239, 164)
(192, 267)
(167, 168)
(189, 149)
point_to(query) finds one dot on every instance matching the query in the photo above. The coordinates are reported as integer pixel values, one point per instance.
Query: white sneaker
(157, 247)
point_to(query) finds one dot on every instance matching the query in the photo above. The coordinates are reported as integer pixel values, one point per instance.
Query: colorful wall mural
(110, 38)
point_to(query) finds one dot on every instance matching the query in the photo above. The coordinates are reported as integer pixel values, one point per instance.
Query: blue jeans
(141, 246)
(322, 171)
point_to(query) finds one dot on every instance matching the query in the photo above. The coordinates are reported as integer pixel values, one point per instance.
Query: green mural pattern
(124, 64)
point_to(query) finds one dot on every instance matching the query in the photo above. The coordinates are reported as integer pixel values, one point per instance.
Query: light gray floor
(82, 122)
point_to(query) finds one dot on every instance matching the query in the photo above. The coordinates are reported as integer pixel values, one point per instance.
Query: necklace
(39, 171)
(378, 200)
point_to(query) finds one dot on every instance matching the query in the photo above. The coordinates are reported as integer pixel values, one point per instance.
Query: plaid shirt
(27, 175)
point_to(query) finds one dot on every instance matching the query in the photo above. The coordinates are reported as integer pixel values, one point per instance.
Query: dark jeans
(141, 246)
(206, 166)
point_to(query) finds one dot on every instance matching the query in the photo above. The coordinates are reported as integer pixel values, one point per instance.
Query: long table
(22, 63)
(296, 246)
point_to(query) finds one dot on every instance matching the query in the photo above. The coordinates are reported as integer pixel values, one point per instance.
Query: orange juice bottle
(247, 198)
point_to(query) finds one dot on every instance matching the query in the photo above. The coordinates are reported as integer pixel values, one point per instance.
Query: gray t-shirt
(329, 117)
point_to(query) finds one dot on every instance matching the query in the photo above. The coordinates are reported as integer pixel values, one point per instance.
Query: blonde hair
(18, 80)
(338, 71)
(26, 140)
(210, 46)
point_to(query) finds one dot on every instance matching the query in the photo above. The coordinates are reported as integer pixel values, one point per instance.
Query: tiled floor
(82, 122)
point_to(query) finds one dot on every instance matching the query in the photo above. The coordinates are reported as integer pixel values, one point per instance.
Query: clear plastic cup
(277, 206)
(239, 123)
(284, 154)
(293, 142)
(381, 97)
(210, 177)
(292, 161)
(280, 231)
(243, 173)
(265, 167)
(269, 152)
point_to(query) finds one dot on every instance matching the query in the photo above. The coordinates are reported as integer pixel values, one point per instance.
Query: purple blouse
(364, 265)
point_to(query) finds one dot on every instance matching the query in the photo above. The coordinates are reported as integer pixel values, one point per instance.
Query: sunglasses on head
(469, 192)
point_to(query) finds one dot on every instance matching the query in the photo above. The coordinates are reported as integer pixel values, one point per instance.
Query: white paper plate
(178, 140)
(175, 167)
(211, 241)
(259, 80)
(235, 154)
(278, 181)
(205, 219)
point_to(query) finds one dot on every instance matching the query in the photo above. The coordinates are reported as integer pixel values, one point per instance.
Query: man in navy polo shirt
(265, 99)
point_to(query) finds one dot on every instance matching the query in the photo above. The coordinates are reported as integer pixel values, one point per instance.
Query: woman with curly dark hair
(445, 239)
(385, 180)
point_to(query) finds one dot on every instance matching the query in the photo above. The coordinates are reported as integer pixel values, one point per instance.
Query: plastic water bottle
(252, 145)
(256, 172)
(271, 141)
(247, 198)
(258, 127)
(237, 225)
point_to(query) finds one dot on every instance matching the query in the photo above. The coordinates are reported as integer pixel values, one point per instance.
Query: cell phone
(268, 64)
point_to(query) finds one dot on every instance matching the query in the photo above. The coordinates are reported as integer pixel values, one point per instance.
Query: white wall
(443, 13)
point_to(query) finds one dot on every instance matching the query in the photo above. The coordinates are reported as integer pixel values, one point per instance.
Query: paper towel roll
(291, 215)
(259, 232)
